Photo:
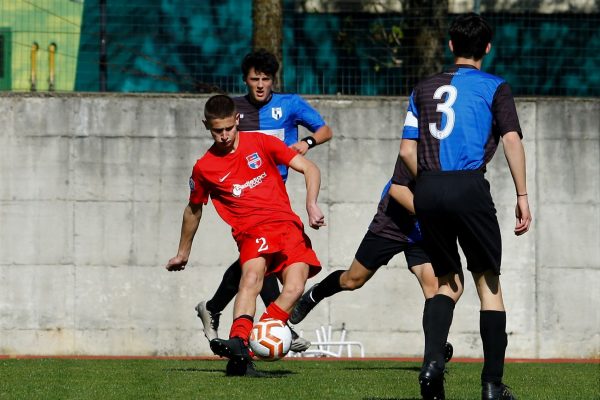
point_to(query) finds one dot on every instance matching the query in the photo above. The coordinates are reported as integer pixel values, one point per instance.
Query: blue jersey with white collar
(279, 117)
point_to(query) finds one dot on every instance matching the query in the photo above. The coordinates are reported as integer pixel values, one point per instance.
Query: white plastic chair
(326, 346)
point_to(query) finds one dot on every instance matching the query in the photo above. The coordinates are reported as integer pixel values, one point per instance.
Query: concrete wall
(92, 190)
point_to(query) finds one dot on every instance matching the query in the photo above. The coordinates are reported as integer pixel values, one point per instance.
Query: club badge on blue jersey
(276, 113)
(254, 161)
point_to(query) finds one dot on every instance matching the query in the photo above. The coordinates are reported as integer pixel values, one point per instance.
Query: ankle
(210, 307)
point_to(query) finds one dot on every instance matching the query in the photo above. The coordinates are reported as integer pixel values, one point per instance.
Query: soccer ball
(270, 339)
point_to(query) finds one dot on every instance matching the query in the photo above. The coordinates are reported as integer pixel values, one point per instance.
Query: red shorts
(285, 241)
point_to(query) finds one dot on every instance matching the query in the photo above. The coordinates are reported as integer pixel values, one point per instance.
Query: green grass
(289, 379)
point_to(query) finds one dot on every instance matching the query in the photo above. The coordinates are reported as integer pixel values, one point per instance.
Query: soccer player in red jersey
(239, 173)
(277, 114)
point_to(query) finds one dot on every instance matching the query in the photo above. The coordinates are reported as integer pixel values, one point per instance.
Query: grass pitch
(104, 379)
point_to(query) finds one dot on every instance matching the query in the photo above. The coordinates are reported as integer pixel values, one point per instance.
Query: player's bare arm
(312, 178)
(322, 135)
(403, 196)
(515, 156)
(191, 219)
(408, 153)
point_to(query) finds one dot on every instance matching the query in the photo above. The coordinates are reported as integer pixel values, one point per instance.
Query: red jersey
(245, 185)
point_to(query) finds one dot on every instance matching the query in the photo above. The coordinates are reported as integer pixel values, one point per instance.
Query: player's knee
(351, 283)
(250, 282)
(293, 290)
(430, 290)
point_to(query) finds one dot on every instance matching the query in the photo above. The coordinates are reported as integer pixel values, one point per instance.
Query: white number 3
(263, 244)
(446, 108)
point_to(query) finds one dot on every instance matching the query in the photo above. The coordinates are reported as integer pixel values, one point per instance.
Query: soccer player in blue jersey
(393, 230)
(454, 122)
(276, 114)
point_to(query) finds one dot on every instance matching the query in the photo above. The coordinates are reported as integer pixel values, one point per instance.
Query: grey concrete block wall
(92, 190)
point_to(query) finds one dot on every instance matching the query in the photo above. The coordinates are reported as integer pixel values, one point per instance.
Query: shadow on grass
(274, 374)
(263, 374)
(398, 368)
(193, 370)
(391, 398)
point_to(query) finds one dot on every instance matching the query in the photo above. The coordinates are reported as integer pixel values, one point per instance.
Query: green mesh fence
(329, 47)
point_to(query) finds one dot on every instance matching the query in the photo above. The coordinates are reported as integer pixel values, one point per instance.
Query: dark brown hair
(470, 35)
(218, 107)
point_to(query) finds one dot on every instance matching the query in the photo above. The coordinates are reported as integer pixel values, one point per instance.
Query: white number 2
(263, 244)
(446, 108)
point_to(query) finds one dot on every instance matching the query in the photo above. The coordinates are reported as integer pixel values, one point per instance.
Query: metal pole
(51, 66)
(103, 58)
(33, 73)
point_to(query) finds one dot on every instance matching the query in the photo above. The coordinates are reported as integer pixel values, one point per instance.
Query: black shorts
(375, 251)
(457, 206)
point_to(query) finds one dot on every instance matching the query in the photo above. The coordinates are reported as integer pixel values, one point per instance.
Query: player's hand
(300, 147)
(176, 263)
(523, 216)
(316, 219)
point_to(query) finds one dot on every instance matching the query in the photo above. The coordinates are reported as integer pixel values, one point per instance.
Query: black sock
(438, 319)
(492, 326)
(227, 289)
(328, 286)
(270, 290)
(425, 311)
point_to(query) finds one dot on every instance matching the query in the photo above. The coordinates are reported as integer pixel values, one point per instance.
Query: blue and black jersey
(458, 117)
(279, 117)
(392, 220)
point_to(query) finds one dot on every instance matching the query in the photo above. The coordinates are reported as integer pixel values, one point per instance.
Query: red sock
(275, 312)
(241, 327)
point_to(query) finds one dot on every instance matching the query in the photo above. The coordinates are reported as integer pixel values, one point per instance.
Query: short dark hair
(218, 107)
(470, 35)
(262, 61)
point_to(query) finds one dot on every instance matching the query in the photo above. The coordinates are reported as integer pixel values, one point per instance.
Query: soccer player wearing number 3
(393, 230)
(454, 122)
(239, 172)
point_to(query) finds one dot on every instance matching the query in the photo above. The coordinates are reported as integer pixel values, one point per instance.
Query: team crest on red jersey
(254, 161)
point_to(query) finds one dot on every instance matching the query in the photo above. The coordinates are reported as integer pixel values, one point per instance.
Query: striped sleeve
(411, 122)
